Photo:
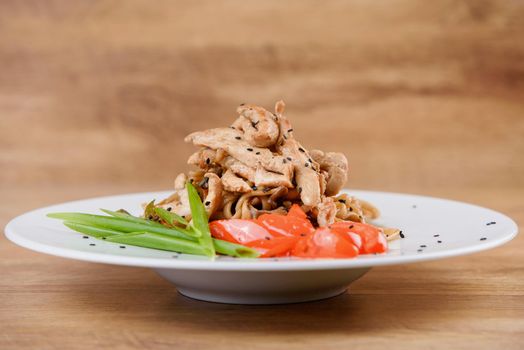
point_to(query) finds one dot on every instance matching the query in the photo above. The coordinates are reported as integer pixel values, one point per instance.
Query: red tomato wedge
(325, 243)
(372, 240)
(238, 231)
(277, 246)
(280, 225)
(297, 211)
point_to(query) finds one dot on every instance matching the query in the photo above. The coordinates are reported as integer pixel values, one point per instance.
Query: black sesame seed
(342, 201)
(439, 241)
(85, 237)
(402, 235)
(257, 153)
(232, 127)
(267, 189)
(254, 187)
(175, 256)
(169, 208)
(289, 158)
(422, 246)
(306, 165)
(268, 238)
(309, 160)
(351, 226)
(122, 247)
(299, 189)
(238, 138)
(92, 244)
(420, 250)
(301, 150)
(104, 238)
(285, 137)
(208, 160)
(284, 161)
(242, 104)
(303, 234)
(290, 130)
(350, 209)
(150, 217)
(255, 124)
(250, 149)
(483, 238)
(437, 235)
(207, 203)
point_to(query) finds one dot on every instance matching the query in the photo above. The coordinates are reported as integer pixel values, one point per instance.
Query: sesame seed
(284, 161)
(250, 149)
(285, 137)
(175, 256)
(301, 149)
(299, 189)
(267, 189)
(350, 209)
(122, 247)
(290, 130)
(238, 138)
(232, 127)
(242, 104)
(289, 158)
(303, 234)
(104, 238)
(306, 165)
(92, 244)
(401, 235)
(169, 208)
(437, 235)
(483, 238)
(422, 246)
(207, 203)
(342, 201)
(208, 160)
(268, 238)
(150, 217)
(257, 153)
(254, 187)
(419, 250)
(439, 241)
(85, 237)
(351, 226)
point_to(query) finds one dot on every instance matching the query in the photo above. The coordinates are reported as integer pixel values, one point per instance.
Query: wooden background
(423, 97)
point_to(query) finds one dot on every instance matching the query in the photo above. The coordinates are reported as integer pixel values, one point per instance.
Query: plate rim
(270, 264)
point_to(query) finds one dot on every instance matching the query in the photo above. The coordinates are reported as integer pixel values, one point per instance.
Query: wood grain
(424, 97)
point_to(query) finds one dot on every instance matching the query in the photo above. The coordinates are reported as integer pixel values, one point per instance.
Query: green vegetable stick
(170, 217)
(96, 232)
(159, 241)
(199, 219)
(233, 249)
(119, 224)
(138, 220)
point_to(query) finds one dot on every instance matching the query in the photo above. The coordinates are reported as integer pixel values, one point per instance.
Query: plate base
(260, 299)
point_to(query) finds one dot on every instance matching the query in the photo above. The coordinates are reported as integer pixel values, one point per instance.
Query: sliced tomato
(280, 225)
(372, 239)
(238, 230)
(297, 211)
(325, 243)
(277, 246)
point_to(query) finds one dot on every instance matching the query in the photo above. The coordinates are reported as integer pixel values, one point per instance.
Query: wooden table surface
(95, 98)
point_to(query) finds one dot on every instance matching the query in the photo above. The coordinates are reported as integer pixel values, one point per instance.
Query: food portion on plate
(256, 192)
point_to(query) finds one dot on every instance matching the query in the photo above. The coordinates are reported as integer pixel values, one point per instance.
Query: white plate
(433, 229)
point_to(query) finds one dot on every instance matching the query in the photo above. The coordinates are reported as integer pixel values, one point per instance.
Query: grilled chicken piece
(238, 168)
(259, 126)
(336, 166)
(326, 211)
(180, 181)
(231, 141)
(233, 183)
(271, 179)
(213, 199)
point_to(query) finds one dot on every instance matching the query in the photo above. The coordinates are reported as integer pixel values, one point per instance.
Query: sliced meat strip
(270, 179)
(213, 199)
(233, 183)
(326, 212)
(180, 181)
(228, 139)
(336, 165)
(239, 168)
(259, 126)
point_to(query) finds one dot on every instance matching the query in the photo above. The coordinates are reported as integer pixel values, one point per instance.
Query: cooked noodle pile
(257, 166)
